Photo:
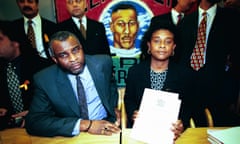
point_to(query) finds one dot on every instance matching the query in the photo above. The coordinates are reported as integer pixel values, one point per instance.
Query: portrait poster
(102, 10)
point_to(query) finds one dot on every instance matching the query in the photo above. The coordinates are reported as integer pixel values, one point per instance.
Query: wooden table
(195, 136)
(20, 136)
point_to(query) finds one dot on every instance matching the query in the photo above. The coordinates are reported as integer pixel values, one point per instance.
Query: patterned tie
(14, 90)
(197, 58)
(31, 34)
(82, 99)
(179, 18)
(82, 29)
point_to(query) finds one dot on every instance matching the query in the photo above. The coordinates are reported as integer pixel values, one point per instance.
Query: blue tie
(82, 99)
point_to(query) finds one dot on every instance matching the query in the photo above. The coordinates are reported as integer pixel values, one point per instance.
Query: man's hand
(20, 116)
(118, 117)
(102, 127)
(3, 111)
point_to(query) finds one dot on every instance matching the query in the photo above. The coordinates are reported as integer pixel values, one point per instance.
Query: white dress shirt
(37, 27)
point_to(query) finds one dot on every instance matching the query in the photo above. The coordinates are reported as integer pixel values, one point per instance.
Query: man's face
(6, 47)
(124, 26)
(76, 8)
(69, 55)
(186, 5)
(29, 8)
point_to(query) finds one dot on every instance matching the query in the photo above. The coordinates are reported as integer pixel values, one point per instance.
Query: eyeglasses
(76, 1)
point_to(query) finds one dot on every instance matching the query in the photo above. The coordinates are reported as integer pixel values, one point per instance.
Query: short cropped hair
(123, 7)
(60, 36)
(6, 29)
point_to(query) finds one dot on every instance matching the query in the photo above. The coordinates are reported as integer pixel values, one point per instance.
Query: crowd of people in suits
(48, 62)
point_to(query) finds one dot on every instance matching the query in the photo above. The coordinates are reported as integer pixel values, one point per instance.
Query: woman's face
(161, 44)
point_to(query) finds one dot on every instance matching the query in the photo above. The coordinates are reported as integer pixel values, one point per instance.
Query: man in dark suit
(207, 86)
(96, 41)
(178, 11)
(56, 108)
(24, 67)
(42, 27)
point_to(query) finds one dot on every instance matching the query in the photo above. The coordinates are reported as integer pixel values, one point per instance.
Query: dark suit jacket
(164, 17)
(27, 67)
(96, 41)
(48, 28)
(54, 110)
(206, 88)
(139, 78)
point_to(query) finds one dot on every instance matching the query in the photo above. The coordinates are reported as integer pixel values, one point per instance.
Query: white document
(158, 110)
(225, 136)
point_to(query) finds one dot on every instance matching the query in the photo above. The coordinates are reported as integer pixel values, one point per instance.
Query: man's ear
(54, 59)
(111, 26)
(15, 44)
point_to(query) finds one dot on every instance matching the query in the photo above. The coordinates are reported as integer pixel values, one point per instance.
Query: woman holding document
(156, 71)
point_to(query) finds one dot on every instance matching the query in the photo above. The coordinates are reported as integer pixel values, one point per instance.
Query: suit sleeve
(43, 118)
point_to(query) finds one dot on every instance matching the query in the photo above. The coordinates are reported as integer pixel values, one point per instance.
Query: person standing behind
(156, 71)
(208, 36)
(79, 96)
(15, 99)
(124, 26)
(177, 13)
(33, 29)
(91, 33)
(234, 4)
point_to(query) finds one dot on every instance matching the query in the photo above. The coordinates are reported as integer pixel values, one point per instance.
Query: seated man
(75, 95)
(16, 73)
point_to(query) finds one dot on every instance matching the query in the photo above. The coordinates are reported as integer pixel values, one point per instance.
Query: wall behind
(10, 11)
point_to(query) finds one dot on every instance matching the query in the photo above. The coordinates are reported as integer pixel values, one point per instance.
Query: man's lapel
(66, 91)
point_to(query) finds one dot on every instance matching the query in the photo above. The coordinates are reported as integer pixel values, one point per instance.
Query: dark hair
(6, 29)
(123, 7)
(174, 3)
(37, 1)
(60, 36)
(164, 24)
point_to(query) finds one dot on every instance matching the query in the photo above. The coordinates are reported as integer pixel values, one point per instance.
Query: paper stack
(225, 136)
(158, 110)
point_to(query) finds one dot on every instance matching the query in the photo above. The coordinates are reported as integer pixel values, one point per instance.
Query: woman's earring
(149, 51)
(173, 53)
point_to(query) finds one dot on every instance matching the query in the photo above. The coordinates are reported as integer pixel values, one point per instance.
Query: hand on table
(103, 127)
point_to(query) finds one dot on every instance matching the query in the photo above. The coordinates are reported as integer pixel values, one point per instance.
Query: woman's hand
(135, 115)
(177, 129)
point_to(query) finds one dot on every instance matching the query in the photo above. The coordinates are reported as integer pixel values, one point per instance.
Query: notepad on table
(225, 136)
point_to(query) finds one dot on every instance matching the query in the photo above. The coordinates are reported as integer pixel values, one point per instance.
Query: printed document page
(158, 110)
